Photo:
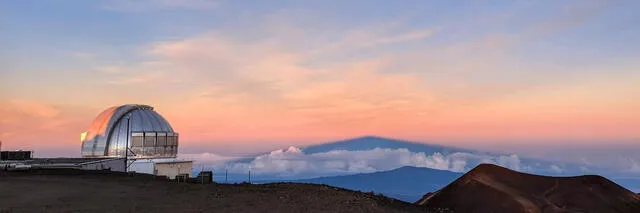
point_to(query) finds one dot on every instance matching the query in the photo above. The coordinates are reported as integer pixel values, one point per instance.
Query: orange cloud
(267, 92)
(31, 108)
(29, 124)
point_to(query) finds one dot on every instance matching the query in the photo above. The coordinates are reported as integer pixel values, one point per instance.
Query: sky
(249, 76)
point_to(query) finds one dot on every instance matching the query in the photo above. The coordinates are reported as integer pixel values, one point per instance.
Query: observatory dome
(142, 130)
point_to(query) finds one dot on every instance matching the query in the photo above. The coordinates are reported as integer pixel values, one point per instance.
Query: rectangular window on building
(137, 139)
(171, 140)
(149, 139)
(161, 140)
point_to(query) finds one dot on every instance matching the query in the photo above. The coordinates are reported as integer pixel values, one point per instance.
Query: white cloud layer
(206, 158)
(556, 169)
(635, 166)
(294, 162)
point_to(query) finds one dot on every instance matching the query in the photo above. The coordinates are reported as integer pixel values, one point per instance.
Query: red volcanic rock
(490, 188)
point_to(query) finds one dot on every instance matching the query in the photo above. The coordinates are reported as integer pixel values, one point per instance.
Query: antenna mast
(126, 147)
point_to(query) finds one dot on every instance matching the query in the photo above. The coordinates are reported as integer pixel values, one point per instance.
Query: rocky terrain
(490, 188)
(486, 188)
(93, 191)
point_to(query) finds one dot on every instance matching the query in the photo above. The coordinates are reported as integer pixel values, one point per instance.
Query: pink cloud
(29, 124)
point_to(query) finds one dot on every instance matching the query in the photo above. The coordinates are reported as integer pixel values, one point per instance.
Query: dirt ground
(59, 191)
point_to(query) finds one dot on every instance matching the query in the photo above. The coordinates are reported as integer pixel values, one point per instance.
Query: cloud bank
(206, 158)
(294, 162)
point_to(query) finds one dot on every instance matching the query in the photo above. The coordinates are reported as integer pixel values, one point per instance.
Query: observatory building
(127, 138)
(137, 135)
(133, 129)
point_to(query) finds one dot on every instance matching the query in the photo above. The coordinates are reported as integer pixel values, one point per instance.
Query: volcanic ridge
(490, 188)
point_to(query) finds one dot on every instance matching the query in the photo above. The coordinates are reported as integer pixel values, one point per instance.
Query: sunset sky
(256, 75)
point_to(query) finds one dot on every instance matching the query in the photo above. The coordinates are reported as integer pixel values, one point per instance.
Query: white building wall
(169, 167)
(172, 169)
(145, 166)
(116, 164)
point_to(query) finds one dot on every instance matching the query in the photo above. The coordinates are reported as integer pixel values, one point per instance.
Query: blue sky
(464, 73)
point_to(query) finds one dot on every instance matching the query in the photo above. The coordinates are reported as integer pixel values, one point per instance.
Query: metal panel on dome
(118, 139)
(151, 120)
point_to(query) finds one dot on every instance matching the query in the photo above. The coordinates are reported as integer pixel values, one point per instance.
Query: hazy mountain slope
(632, 184)
(406, 183)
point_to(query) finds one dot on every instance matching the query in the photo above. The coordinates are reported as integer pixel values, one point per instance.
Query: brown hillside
(490, 188)
(93, 191)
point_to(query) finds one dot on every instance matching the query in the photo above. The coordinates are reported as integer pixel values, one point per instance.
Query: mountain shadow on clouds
(372, 142)
(374, 154)
(369, 143)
